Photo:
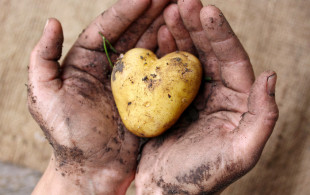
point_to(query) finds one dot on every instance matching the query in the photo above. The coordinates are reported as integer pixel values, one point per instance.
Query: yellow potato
(152, 93)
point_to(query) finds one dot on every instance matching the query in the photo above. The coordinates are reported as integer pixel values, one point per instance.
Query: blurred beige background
(276, 34)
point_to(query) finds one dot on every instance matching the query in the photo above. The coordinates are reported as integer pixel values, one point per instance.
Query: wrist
(77, 178)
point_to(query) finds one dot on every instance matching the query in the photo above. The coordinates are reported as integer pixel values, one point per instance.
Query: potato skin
(152, 93)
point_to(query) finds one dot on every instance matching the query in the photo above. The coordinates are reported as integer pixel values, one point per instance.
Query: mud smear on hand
(121, 131)
(196, 177)
(63, 154)
(32, 98)
(169, 188)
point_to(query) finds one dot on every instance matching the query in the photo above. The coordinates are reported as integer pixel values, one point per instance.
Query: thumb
(257, 124)
(44, 66)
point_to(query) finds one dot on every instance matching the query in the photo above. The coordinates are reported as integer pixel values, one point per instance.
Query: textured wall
(276, 34)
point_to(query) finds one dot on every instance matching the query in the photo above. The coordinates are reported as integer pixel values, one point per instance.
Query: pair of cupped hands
(216, 141)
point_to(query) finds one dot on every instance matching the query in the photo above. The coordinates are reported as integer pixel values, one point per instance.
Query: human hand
(74, 106)
(222, 135)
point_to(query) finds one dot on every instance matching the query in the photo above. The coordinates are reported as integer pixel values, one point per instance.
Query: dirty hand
(73, 103)
(222, 135)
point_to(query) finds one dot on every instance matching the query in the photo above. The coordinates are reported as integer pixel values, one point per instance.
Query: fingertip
(164, 33)
(173, 18)
(52, 21)
(266, 81)
(50, 44)
(171, 12)
(267, 73)
(210, 10)
(189, 11)
(53, 28)
(271, 84)
(262, 96)
(215, 24)
(208, 14)
(190, 5)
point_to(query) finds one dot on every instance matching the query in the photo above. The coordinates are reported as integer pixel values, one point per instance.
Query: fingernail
(46, 24)
(271, 84)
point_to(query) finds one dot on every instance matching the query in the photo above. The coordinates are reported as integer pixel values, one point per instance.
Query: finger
(44, 66)
(166, 42)
(190, 14)
(129, 39)
(257, 124)
(149, 39)
(236, 69)
(176, 27)
(112, 23)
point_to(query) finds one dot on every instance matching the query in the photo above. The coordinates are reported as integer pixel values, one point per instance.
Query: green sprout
(105, 42)
(208, 79)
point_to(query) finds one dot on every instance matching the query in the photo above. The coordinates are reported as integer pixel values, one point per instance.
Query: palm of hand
(76, 109)
(234, 118)
(183, 160)
(82, 111)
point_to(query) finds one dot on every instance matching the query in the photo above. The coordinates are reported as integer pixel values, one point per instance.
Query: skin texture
(74, 106)
(220, 137)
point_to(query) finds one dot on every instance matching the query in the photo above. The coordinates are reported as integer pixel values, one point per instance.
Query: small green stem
(111, 46)
(105, 42)
(208, 79)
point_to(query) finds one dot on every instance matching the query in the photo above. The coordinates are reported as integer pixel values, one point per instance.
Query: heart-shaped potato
(150, 93)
